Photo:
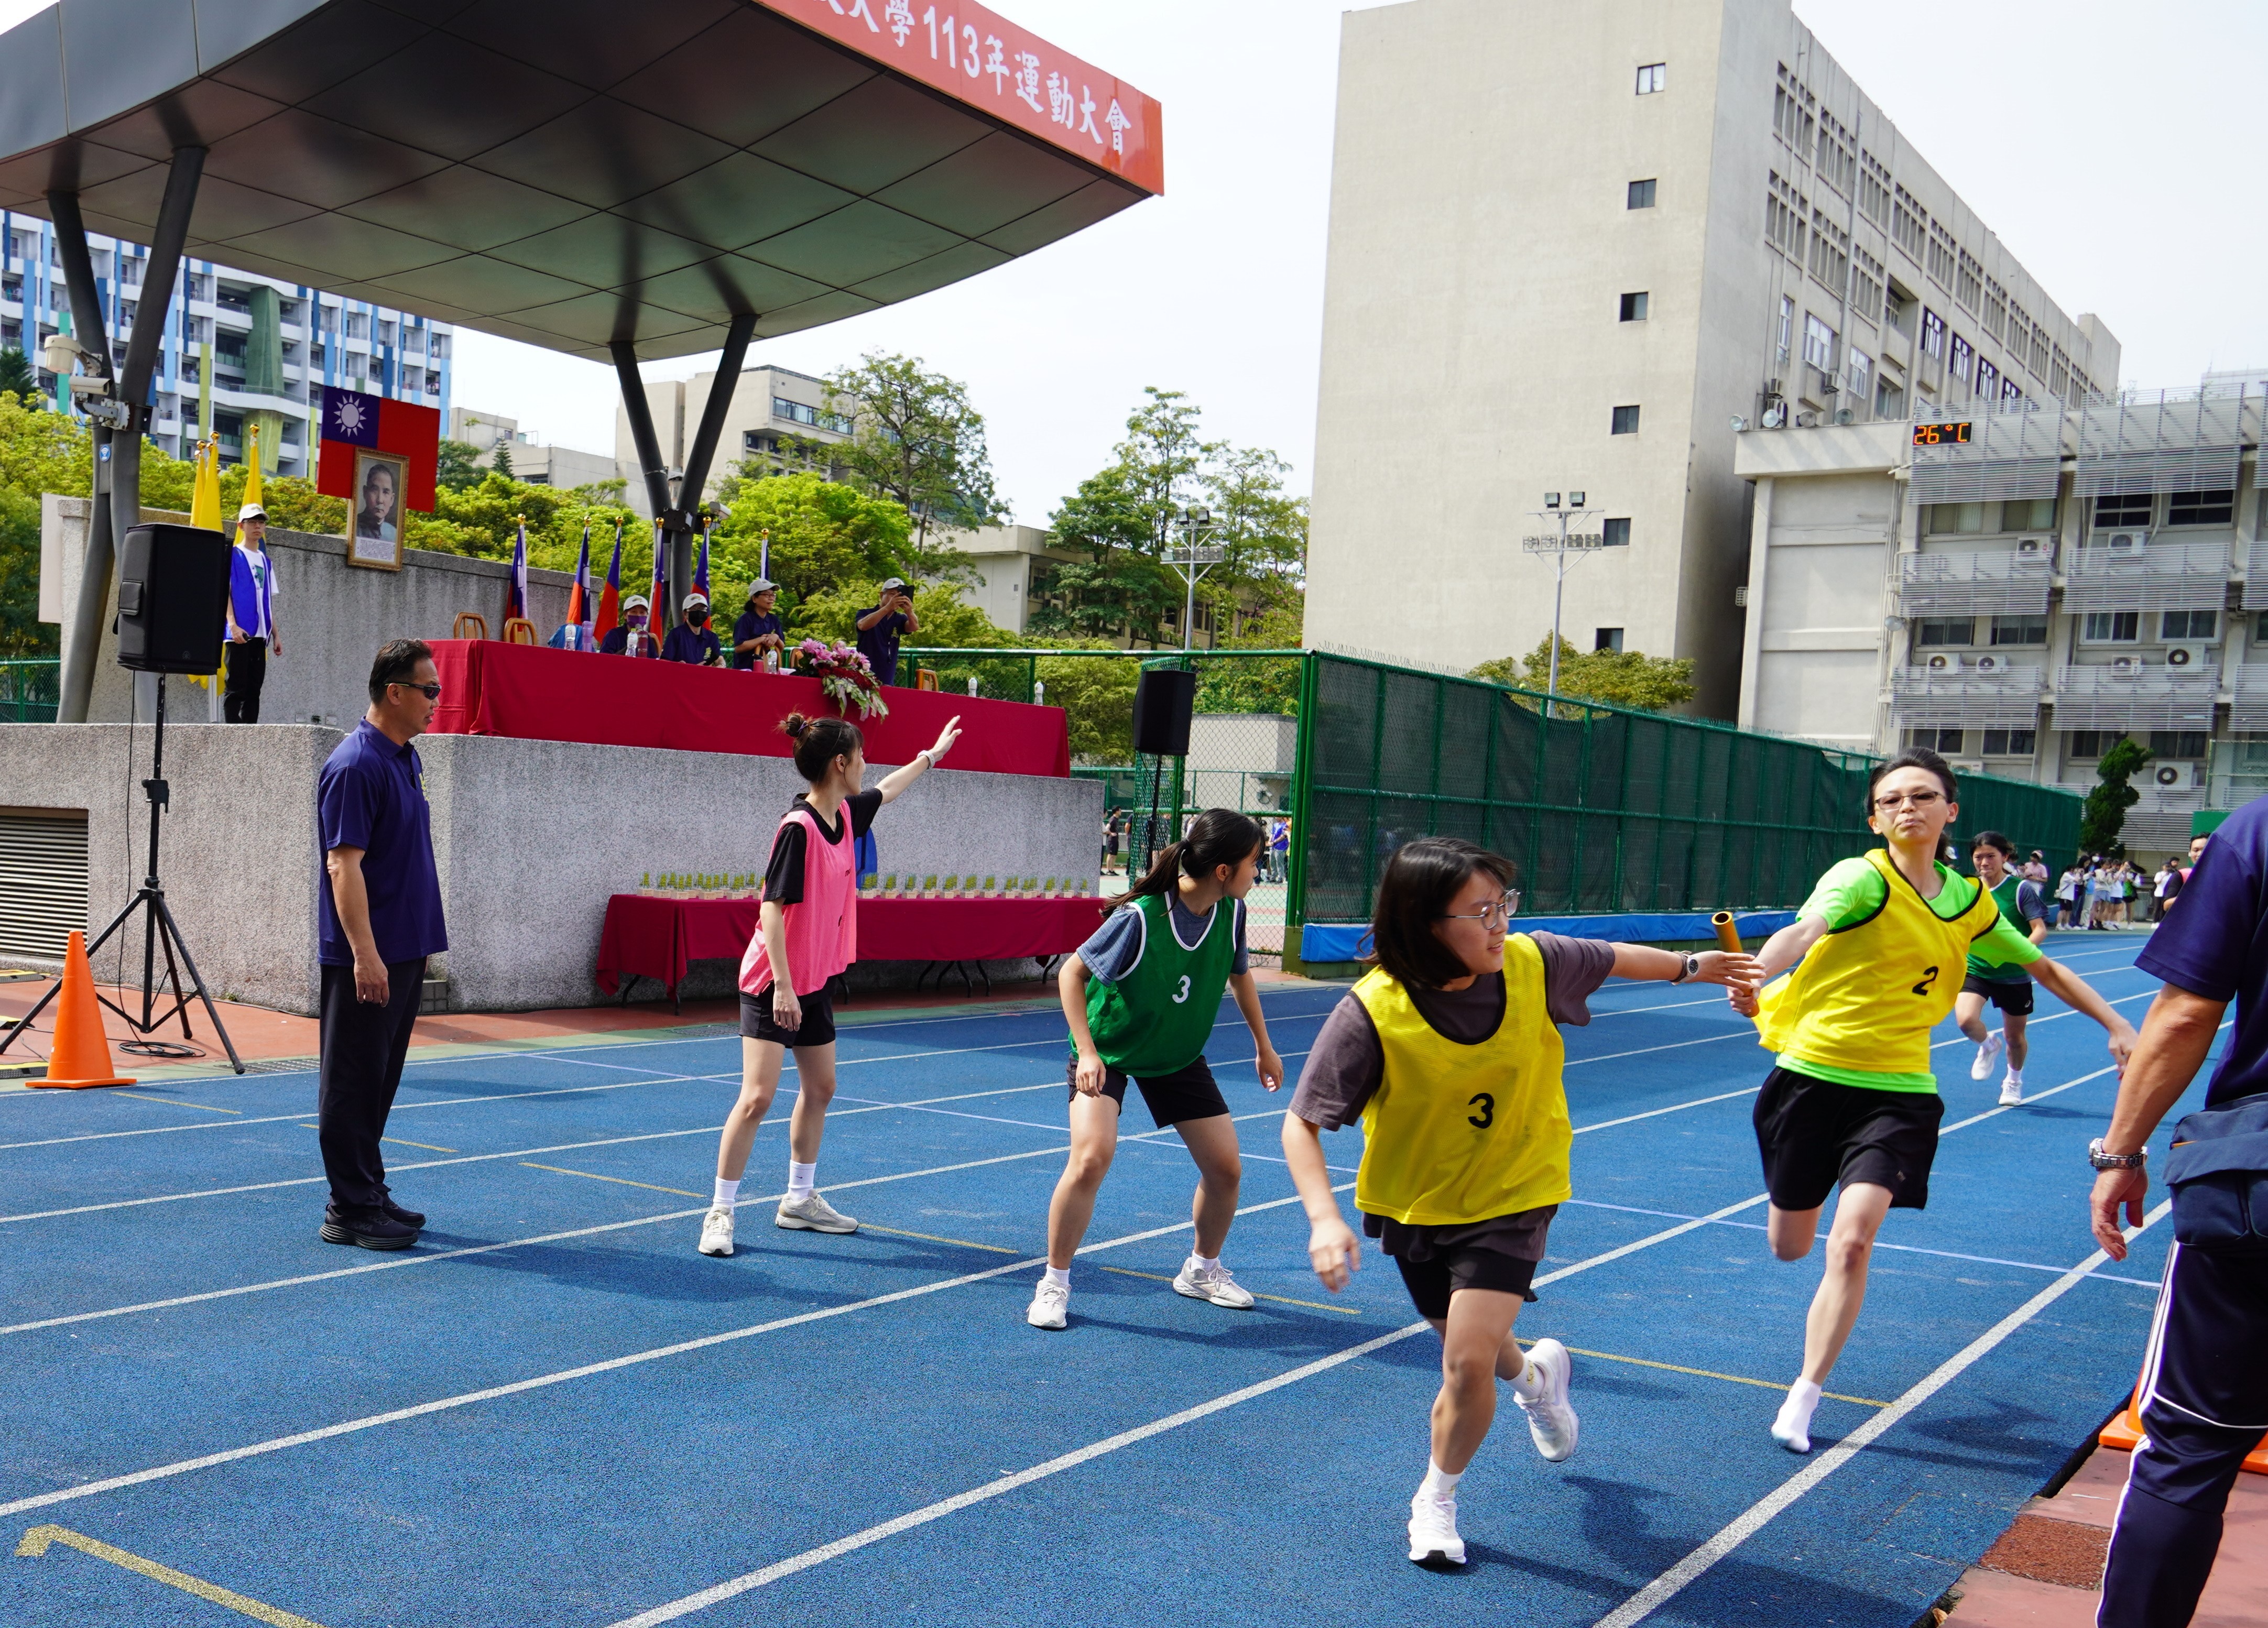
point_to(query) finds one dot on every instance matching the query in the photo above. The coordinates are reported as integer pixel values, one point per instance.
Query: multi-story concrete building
(271, 343)
(1569, 246)
(537, 462)
(2025, 592)
(775, 416)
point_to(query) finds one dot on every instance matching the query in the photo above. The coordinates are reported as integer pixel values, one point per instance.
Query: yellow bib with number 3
(1460, 1133)
(1867, 996)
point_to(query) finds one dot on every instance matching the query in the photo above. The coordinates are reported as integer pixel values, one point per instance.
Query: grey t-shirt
(1347, 1063)
(1109, 953)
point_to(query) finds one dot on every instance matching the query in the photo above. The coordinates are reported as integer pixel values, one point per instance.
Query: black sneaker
(407, 1218)
(371, 1229)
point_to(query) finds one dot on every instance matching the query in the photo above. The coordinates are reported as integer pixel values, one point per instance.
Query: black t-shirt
(784, 875)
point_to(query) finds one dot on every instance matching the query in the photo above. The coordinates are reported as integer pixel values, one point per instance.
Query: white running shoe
(1050, 1304)
(716, 1231)
(1551, 1419)
(1433, 1539)
(1212, 1283)
(1987, 1054)
(813, 1215)
(2012, 1090)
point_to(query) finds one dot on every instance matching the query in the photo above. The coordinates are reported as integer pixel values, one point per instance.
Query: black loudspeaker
(1163, 701)
(173, 595)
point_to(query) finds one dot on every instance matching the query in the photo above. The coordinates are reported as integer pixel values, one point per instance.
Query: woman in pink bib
(807, 931)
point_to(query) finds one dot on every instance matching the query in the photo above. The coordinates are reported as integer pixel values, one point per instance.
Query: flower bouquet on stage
(844, 676)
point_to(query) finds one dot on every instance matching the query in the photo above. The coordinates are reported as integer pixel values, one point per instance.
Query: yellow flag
(204, 506)
(251, 462)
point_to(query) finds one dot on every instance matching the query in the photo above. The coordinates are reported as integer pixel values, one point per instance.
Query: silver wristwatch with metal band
(2102, 1161)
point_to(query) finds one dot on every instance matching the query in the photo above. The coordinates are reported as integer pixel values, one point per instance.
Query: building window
(2020, 630)
(2010, 742)
(1866, 282)
(1818, 344)
(2029, 515)
(1996, 307)
(1860, 386)
(1964, 360)
(796, 412)
(1907, 222)
(2095, 742)
(1874, 190)
(2178, 742)
(1625, 421)
(1969, 285)
(1941, 255)
(1787, 327)
(2188, 624)
(2201, 508)
(1607, 638)
(2121, 511)
(1936, 631)
(1615, 534)
(1945, 740)
(1641, 195)
(2011, 392)
(1653, 78)
(1988, 380)
(2111, 626)
(1940, 518)
(1830, 253)
(1785, 208)
(1932, 334)
(1634, 308)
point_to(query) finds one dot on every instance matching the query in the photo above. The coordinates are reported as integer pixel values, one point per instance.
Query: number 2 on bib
(1182, 993)
(1928, 978)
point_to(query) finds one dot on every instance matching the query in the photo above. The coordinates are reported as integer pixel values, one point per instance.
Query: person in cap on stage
(1879, 952)
(881, 625)
(1448, 1053)
(758, 628)
(630, 636)
(693, 641)
(251, 612)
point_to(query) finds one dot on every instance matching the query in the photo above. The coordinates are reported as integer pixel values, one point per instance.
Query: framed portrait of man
(374, 521)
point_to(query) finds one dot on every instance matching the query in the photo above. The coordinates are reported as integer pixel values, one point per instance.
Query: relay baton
(1728, 936)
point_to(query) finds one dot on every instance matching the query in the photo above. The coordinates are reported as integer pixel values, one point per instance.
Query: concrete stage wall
(530, 836)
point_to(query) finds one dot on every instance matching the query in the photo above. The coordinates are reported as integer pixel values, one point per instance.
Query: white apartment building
(773, 411)
(272, 344)
(1569, 245)
(2024, 592)
(539, 463)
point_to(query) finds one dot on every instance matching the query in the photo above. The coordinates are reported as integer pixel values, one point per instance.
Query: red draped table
(535, 693)
(651, 937)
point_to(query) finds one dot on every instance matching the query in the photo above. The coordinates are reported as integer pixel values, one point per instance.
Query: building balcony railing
(2133, 698)
(2149, 576)
(2011, 700)
(2256, 576)
(2000, 581)
(2248, 697)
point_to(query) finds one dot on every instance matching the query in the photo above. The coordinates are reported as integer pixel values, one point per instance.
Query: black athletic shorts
(1185, 1094)
(1500, 1253)
(2012, 995)
(817, 1029)
(1817, 1136)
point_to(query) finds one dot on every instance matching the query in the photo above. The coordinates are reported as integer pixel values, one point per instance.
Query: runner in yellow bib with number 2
(1880, 953)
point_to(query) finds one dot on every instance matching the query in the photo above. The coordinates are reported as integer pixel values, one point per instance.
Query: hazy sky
(2111, 147)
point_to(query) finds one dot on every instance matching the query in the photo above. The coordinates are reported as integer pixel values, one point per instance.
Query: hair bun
(795, 725)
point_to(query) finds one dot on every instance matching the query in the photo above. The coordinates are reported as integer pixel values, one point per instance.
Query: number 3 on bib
(1182, 993)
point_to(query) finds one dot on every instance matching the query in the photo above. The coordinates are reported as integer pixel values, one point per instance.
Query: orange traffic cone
(81, 1056)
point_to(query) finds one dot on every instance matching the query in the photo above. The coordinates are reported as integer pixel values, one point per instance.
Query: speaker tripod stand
(160, 933)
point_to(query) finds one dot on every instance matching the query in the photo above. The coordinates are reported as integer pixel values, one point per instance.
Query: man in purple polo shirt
(2204, 1393)
(380, 911)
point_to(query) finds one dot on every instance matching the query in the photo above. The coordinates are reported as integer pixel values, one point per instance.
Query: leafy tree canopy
(459, 466)
(17, 374)
(2103, 815)
(1626, 678)
(825, 534)
(915, 439)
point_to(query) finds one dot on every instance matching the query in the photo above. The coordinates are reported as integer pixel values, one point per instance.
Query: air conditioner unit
(2123, 543)
(1992, 663)
(1941, 661)
(1965, 765)
(2031, 545)
(2188, 658)
(2127, 667)
(2171, 774)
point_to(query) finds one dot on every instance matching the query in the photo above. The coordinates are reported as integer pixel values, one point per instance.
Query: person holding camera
(881, 626)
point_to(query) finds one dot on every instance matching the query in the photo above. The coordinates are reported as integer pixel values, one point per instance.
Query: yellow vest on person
(1867, 996)
(1465, 1133)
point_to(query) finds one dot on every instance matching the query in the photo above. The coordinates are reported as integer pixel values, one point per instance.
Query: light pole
(1559, 546)
(1192, 560)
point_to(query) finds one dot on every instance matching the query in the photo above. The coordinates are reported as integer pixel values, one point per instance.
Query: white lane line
(1746, 1029)
(875, 1534)
(1655, 1113)
(1665, 1586)
(1963, 1040)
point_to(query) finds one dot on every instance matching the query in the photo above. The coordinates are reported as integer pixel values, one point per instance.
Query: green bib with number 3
(1156, 1020)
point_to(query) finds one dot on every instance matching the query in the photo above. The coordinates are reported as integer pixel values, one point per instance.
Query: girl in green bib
(1142, 997)
(1879, 952)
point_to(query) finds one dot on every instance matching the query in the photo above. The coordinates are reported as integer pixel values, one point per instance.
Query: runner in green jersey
(2006, 986)
(1142, 997)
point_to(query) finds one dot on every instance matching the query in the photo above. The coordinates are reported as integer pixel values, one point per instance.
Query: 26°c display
(1941, 435)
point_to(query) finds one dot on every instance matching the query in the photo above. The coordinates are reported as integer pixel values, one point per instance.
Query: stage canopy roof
(570, 172)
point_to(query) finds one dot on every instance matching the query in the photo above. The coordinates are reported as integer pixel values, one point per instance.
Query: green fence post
(1303, 825)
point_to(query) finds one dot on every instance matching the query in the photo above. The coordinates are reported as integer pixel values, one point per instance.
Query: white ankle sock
(728, 1194)
(1529, 1385)
(1202, 1263)
(1059, 1276)
(1795, 1413)
(799, 1180)
(1438, 1483)
(2016, 1076)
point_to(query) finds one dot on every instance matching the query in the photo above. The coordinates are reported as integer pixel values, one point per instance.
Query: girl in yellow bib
(1448, 1050)
(1879, 952)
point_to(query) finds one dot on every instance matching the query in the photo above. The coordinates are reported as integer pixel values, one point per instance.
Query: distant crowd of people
(758, 637)
(2103, 895)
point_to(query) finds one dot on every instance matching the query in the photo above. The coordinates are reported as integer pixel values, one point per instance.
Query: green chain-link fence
(29, 691)
(1603, 809)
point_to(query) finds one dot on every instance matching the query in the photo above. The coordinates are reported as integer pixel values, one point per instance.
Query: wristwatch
(2102, 1161)
(1692, 965)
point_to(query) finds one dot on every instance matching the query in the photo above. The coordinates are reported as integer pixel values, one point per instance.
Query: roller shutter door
(42, 879)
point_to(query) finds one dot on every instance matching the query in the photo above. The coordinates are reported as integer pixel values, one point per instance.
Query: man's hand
(2114, 1190)
(370, 980)
(1271, 1069)
(2122, 1039)
(1088, 1080)
(1334, 1251)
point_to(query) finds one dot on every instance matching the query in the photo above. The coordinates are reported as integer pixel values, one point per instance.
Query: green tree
(1264, 533)
(915, 438)
(458, 467)
(18, 376)
(22, 633)
(500, 460)
(1097, 696)
(2103, 815)
(1626, 678)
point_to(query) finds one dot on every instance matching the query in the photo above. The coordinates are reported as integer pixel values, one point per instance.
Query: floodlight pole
(1194, 560)
(1557, 548)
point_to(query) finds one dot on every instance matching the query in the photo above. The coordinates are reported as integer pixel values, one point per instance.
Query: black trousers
(2205, 1406)
(247, 671)
(364, 1047)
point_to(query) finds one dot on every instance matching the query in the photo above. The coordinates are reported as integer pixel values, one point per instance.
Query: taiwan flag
(354, 419)
(610, 597)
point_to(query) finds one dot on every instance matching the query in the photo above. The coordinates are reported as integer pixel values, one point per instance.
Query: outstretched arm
(1790, 945)
(2074, 990)
(1639, 960)
(1333, 1250)
(894, 783)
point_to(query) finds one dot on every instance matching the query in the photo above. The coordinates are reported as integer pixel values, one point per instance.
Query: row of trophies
(684, 885)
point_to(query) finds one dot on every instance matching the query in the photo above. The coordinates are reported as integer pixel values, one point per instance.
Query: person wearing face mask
(631, 637)
(693, 641)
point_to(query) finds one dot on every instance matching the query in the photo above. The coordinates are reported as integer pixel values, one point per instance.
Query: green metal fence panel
(29, 691)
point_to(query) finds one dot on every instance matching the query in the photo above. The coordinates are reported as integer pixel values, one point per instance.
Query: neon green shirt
(1851, 891)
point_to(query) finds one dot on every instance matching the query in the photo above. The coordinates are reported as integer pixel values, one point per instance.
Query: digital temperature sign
(1941, 435)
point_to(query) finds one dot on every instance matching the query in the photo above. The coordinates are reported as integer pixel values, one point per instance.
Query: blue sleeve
(2207, 938)
(1110, 953)
(2028, 902)
(1242, 963)
(347, 806)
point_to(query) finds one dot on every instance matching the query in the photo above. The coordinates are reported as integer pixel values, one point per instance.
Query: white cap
(691, 600)
(638, 599)
(251, 512)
